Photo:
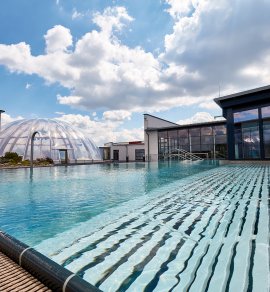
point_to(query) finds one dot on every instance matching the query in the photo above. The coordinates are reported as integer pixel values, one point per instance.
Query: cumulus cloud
(199, 117)
(211, 42)
(117, 115)
(5, 118)
(57, 39)
(103, 131)
(113, 18)
(216, 40)
(182, 8)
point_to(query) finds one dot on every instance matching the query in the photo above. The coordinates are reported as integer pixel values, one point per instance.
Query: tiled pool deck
(208, 233)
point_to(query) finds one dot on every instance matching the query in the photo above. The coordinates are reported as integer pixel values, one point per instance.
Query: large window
(208, 141)
(247, 141)
(247, 135)
(172, 141)
(246, 115)
(183, 137)
(195, 139)
(266, 112)
(163, 143)
(266, 137)
(139, 154)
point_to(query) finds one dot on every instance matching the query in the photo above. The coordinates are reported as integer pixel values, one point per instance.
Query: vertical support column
(214, 140)
(1, 111)
(260, 121)
(230, 134)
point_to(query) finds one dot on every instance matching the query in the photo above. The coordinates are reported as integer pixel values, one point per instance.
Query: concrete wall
(151, 149)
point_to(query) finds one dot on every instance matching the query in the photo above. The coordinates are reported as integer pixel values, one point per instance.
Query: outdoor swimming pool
(168, 228)
(55, 199)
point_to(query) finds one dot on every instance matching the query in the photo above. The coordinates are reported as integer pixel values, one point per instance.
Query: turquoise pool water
(56, 199)
(205, 232)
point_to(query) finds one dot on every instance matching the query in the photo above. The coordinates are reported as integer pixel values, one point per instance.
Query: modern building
(248, 123)
(55, 139)
(162, 138)
(123, 151)
(244, 134)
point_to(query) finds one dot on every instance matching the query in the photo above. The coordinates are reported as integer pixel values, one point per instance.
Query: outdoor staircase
(182, 154)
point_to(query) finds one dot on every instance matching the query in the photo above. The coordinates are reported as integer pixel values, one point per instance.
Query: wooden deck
(14, 278)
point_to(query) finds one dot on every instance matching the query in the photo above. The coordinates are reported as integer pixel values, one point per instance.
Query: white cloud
(113, 18)
(199, 117)
(76, 14)
(117, 115)
(5, 118)
(103, 131)
(216, 40)
(58, 39)
(210, 105)
(181, 8)
(211, 42)
(28, 85)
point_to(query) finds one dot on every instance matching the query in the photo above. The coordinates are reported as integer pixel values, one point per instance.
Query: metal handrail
(188, 154)
(183, 155)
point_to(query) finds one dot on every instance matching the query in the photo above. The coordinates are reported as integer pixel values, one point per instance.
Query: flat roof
(242, 93)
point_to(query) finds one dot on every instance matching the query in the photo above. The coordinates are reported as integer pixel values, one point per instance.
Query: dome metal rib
(54, 136)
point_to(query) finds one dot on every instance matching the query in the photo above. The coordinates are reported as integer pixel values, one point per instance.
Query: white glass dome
(54, 138)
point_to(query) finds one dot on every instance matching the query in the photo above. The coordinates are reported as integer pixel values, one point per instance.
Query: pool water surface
(205, 232)
(55, 199)
(147, 227)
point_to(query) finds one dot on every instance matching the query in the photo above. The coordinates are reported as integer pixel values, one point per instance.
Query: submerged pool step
(198, 237)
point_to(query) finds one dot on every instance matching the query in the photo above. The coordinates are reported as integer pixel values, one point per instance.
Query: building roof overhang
(251, 96)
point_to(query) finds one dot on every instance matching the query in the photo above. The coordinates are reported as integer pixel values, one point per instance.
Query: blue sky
(101, 64)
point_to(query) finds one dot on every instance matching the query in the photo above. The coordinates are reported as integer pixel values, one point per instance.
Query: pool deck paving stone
(14, 278)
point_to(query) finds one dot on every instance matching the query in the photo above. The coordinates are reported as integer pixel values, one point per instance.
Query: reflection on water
(35, 206)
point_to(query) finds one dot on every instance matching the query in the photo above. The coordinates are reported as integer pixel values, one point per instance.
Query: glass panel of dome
(52, 136)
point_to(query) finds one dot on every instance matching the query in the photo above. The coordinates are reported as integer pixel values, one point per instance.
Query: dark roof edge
(187, 125)
(250, 91)
(161, 119)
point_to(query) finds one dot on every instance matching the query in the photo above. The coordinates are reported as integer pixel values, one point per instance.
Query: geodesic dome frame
(53, 137)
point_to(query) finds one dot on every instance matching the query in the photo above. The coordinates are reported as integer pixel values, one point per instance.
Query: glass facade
(246, 115)
(206, 141)
(266, 137)
(266, 112)
(247, 141)
(55, 139)
(252, 133)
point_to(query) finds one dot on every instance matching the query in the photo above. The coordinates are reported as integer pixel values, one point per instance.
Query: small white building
(124, 151)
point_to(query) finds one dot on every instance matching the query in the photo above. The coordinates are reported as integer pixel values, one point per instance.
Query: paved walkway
(14, 278)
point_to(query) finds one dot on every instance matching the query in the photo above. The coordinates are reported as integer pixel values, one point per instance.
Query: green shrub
(49, 160)
(43, 161)
(13, 157)
(26, 162)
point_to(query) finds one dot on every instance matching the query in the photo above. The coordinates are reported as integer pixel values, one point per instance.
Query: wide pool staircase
(207, 232)
(182, 154)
